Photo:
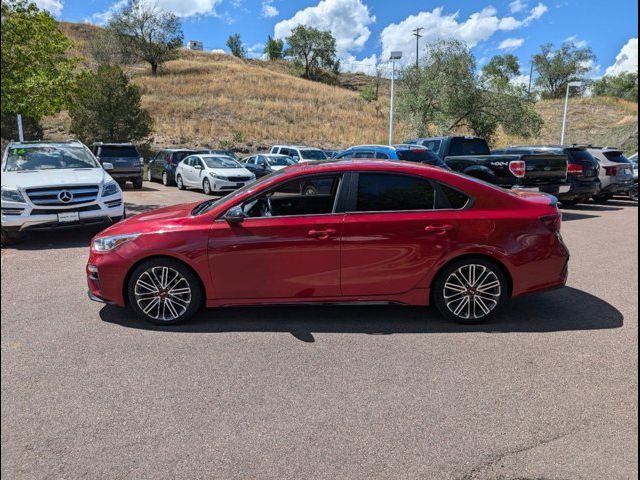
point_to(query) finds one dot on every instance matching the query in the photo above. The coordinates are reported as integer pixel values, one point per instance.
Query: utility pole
(416, 33)
(530, 77)
(394, 56)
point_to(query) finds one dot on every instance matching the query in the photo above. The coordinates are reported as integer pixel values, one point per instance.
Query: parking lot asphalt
(546, 390)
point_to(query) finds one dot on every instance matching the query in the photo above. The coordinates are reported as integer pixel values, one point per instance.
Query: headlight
(106, 244)
(220, 177)
(110, 188)
(11, 195)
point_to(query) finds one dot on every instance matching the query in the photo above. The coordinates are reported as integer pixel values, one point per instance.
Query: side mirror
(107, 166)
(235, 215)
(198, 167)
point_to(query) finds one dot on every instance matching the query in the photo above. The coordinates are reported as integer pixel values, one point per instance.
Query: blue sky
(367, 30)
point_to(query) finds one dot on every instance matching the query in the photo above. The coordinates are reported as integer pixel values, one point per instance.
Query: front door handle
(322, 234)
(438, 229)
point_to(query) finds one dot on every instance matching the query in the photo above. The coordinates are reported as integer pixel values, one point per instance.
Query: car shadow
(75, 237)
(556, 311)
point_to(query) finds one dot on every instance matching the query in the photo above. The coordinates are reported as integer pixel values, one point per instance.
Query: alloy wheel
(165, 179)
(162, 293)
(472, 292)
(206, 187)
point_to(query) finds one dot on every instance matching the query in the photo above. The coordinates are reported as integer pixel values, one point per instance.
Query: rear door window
(386, 192)
(456, 199)
(364, 154)
(382, 156)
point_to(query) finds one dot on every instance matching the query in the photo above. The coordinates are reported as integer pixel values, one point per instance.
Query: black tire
(602, 199)
(206, 187)
(633, 193)
(136, 300)
(445, 281)
(10, 237)
(570, 203)
(137, 183)
(166, 181)
(309, 189)
(180, 182)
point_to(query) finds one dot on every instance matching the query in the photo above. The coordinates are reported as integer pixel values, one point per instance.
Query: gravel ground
(548, 390)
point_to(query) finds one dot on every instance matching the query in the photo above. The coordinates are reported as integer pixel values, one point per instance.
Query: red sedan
(335, 232)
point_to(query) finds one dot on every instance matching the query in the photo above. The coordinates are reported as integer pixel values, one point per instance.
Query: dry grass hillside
(205, 99)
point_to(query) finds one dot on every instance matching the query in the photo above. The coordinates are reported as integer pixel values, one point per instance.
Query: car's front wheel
(180, 182)
(470, 290)
(206, 187)
(164, 291)
(149, 176)
(10, 237)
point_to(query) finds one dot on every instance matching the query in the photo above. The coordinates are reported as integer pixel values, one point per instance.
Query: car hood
(48, 178)
(154, 221)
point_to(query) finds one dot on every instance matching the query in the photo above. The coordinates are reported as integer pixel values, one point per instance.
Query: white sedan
(212, 173)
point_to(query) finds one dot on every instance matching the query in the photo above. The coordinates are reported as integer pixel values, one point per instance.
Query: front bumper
(218, 185)
(20, 217)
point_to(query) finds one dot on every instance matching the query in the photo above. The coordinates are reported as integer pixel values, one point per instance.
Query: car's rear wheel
(149, 177)
(180, 182)
(165, 179)
(570, 203)
(470, 290)
(164, 291)
(602, 199)
(206, 187)
(633, 193)
(137, 183)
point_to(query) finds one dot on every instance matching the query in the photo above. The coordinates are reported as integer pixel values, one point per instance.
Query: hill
(206, 99)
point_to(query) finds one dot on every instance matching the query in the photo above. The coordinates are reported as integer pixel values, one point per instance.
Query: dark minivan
(162, 167)
(125, 158)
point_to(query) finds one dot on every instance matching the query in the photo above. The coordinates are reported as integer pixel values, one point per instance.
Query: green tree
(445, 95)
(557, 68)
(501, 70)
(624, 85)
(35, 72)
(312, 49)
(274, 48)
(234, 43)
(106, 107)
(147, 33)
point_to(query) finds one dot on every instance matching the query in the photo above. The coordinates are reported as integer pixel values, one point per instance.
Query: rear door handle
(438, 229)
(321, 234)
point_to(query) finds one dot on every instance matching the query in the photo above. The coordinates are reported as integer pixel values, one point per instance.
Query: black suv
(163, 166)
(582, 169)
(125, 158)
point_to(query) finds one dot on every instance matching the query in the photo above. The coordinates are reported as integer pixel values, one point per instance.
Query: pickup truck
(543, 172)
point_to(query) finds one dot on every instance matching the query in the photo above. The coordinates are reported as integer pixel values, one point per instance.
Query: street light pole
(566, 107)
(394, 56)
(20, 130)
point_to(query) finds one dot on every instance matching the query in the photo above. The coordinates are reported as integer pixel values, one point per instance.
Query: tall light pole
(566, 107)
(394, 56)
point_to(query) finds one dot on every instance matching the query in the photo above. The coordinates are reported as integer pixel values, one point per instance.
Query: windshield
(124, 151)
(22, 159)
(280, 161)
(313, 155)
(209, 205)
(221, 162)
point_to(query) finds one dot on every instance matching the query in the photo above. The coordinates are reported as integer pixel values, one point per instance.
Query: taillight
(611, 171)
(518, 168)
(574, 168)
(552, 222)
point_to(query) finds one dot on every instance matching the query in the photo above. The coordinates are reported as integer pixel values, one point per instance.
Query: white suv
(55, 184)
(299, 153)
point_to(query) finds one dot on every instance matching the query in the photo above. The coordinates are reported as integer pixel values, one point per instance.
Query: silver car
(616, 173)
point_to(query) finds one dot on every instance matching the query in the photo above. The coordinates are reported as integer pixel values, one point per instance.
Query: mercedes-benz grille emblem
(65, 196)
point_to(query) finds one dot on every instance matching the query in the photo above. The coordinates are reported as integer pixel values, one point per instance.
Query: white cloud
(511, 43)
(268, 10)
(517, 6)
(181, 8)
(347, 20)
(477, 28)
(367, 65)
(626, 60)
(53, 6)
(576, 41)
(219, 50)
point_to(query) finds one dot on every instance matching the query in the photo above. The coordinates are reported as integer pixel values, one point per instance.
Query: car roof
(299, 147)
(112, 144)
(211, 155)
(544, 147)
(360, 164)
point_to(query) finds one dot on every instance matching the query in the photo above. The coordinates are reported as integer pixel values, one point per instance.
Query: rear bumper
(614, 188)
(580, 190)
(552, 189)
(125, 175)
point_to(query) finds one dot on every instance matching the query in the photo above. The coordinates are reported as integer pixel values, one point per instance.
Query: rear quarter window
(457, 200)
(468, 146)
